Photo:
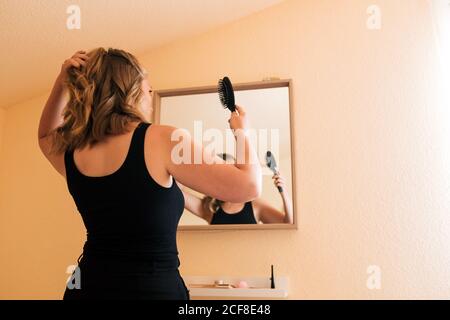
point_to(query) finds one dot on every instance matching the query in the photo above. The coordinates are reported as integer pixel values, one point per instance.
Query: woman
(95, 132)
(215, 211)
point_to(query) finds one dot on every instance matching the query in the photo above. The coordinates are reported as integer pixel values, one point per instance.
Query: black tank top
(126, 213)
(245, 216)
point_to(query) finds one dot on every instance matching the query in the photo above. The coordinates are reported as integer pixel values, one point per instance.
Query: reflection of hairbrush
(272, 164)
(226, 94)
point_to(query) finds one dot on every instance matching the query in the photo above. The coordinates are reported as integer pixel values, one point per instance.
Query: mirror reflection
(267, 106)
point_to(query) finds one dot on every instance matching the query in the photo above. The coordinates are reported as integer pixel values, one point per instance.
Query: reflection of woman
(95, 132)
(215, 211)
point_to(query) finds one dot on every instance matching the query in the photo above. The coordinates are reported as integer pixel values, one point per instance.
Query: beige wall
(371, 143)
(40, 232)
(2, 124)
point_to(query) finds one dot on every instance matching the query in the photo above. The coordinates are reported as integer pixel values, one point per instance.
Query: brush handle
(272, 278)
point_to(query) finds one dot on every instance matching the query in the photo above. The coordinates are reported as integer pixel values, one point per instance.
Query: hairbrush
(226, 94)
(272, 164)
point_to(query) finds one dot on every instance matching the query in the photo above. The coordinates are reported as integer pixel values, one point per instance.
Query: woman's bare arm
(239, 182)
(51, 116)
(195, 205)
(267, 213)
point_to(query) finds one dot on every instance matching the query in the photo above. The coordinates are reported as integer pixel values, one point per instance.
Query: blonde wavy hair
(104, 95)
(211, 204)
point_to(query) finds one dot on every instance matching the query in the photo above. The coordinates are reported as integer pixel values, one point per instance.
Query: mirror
(268, 107)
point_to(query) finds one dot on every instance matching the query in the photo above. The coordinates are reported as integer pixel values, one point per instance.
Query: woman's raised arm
(208, 173)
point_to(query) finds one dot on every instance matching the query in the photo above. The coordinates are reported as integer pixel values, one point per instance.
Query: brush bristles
(221, 91)
(226, 94)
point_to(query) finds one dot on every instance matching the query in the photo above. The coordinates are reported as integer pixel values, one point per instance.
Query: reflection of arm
(195, 204)
(287, 204)
(189, 163)
(268, 214)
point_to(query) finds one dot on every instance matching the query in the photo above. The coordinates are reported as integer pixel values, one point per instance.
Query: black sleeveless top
(245, 216)
(126, 213)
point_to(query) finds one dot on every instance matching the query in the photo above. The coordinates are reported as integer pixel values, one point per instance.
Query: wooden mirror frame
(158, 94)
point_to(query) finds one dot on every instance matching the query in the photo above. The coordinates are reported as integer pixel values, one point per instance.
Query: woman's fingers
(80, 61)
(278, 180)
(240, 110)
(238, 119)
(70, 63)
(82, 56)
(74, 62)
(80, 52)
(279, 183)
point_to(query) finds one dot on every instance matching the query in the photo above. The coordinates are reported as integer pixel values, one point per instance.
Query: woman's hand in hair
(77, 60)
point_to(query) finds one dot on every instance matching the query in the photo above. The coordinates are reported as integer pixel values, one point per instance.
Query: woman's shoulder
(168, 131)
(165, 127)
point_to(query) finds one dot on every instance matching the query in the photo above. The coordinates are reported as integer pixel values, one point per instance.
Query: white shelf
(262, 285)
